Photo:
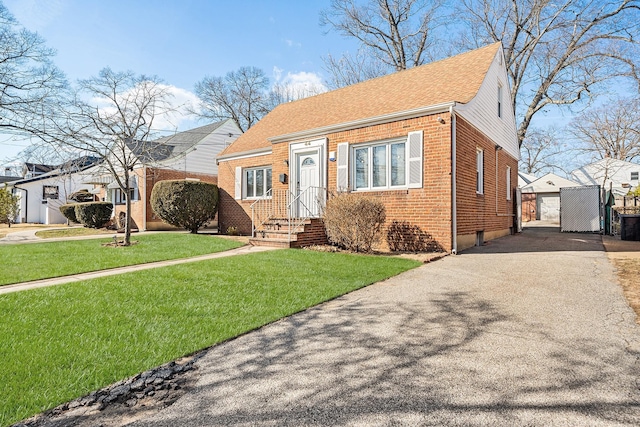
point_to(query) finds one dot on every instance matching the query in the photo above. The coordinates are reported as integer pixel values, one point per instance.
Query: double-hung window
(257, 182)
(380, 166)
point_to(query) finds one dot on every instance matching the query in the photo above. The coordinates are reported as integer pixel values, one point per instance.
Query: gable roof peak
(456, 79)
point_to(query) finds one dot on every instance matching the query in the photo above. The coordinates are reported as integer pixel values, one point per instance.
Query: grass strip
(63, 342)
(33, 261)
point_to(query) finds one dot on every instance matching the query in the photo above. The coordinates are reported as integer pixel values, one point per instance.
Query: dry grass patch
(629, 275)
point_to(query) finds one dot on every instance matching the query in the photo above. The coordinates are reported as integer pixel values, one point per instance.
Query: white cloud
(301, 84)
(292, 43)
(277, 73)
(35, 15)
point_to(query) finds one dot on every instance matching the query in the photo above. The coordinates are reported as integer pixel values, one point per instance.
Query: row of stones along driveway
(528, 330)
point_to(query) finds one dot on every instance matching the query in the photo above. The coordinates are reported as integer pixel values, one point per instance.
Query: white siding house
(620, 175)
(42, 196)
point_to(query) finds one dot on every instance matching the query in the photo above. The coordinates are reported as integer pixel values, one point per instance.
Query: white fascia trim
(244, 155)
(369, 121)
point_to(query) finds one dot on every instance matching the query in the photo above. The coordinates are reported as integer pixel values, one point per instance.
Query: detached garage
(543, 196)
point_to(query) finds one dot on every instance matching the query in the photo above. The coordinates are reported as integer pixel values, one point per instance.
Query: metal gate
(580, 209)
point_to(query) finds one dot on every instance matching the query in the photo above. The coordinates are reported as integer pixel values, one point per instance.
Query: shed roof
(549, 183)
(455, 79)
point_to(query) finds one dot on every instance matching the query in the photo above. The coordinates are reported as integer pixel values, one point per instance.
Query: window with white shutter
(391, 164)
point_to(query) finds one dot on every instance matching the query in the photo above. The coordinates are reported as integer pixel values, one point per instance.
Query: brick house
(436, 143)
(185, 155)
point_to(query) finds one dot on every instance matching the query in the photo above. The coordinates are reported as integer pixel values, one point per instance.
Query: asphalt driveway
(528, 330)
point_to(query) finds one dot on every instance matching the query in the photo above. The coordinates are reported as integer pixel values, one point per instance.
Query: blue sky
(181, 41)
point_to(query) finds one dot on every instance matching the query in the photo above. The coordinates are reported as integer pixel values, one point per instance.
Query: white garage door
(549, 207)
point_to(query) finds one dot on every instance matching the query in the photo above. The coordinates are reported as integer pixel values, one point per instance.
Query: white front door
(308, 183)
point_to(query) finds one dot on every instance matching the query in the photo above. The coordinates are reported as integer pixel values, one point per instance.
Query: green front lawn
(33, 261)
(62, 342)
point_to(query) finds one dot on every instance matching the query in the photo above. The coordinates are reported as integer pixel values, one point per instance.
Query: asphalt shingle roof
(172, 146)
(457, 78)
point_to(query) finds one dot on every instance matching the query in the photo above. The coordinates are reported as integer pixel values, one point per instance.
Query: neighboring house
(436, 144)
(618, 175)
(32, 170)
(541, 197)
(525, 179)
(42, 195)
(185, 155)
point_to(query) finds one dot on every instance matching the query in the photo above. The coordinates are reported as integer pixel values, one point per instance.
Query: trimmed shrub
(353, 222)
(69, 211)
(404, 237)
(94, 214)
(185, 204)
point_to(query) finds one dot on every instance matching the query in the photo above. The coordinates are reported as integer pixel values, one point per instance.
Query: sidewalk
(25, 238)
(29, 236)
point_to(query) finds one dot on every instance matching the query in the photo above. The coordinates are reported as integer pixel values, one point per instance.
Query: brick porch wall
(232, 212)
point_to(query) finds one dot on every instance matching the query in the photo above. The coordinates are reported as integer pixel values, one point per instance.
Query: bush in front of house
(405, 237)
(69, 211)
(186, 204)
(353, 222)
(93, 214)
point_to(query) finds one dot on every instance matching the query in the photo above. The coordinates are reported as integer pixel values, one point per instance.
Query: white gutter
(454, 205)
(244, 154)
(369, 121)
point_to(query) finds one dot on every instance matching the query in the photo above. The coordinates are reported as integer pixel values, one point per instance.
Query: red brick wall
(479, 212)
(237, 213)
(529, 207)
(429, 207)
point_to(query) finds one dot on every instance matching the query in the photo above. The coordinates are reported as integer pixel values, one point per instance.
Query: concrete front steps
(275, 233)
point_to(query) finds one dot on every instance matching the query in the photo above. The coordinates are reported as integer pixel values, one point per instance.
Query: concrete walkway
(120, 270)
(529, 330)
(29, 236)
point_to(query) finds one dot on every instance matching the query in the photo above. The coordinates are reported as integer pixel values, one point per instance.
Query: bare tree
(287, 92)
(397, 33)
(29, 81)
(115, 125)
(557, 52)
(241, 95)
(349, 69)
(542, 151)
(610, 131)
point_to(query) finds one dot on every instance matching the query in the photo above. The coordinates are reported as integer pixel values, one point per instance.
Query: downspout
(144, 198)
(499, 148)
(454, 206)
(26, 203)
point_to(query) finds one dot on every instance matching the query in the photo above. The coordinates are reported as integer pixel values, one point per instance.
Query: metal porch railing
(283, 204)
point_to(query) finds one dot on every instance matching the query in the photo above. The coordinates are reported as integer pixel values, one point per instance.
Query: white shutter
(414, 159)
(238, 191)
(342, 178)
